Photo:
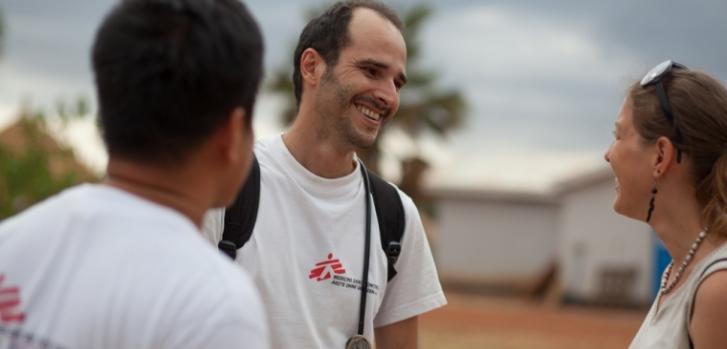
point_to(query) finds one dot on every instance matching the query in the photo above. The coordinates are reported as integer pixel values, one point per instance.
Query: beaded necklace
(666, 288)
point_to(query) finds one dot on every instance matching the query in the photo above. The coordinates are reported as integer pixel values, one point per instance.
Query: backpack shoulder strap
(390, 214)
(240, 217)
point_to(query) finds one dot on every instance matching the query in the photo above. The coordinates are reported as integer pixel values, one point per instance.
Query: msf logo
(322, 270)
(10, 304)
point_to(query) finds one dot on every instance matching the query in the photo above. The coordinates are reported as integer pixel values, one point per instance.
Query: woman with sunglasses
(669, 158)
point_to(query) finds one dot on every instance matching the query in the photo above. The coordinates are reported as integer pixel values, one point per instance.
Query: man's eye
(371, 71)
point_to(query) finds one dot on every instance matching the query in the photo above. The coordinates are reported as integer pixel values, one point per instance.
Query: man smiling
(309, 249)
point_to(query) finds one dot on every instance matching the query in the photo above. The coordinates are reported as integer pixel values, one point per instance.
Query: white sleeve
(229, 335)
(242, 339)
(231, 318)
(415, 289)
(213, 225)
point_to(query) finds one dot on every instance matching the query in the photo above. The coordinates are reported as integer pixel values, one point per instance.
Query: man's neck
(320, 155)
(165, 187)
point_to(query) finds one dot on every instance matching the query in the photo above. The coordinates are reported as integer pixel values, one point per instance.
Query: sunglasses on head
(654, 77)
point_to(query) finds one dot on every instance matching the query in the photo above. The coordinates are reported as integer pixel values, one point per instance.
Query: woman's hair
(699, 105)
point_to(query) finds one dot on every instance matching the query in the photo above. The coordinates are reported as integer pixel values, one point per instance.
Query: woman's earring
(654, 191)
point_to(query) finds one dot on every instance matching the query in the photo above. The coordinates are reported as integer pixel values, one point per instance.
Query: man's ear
(312, 66)
(664, 157)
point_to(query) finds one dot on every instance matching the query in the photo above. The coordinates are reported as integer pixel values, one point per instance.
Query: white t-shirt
(96, 267)
(306, 256)
(668, 328)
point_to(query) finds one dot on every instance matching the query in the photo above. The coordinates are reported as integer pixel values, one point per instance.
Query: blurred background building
(565, 244)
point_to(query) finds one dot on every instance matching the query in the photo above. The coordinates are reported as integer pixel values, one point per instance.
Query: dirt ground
(472, 321)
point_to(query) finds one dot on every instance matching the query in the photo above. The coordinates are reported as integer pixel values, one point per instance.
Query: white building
(515, 240)
(495, 238)
(602, 255)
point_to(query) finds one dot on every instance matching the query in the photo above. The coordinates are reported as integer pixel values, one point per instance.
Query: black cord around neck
(367, 248)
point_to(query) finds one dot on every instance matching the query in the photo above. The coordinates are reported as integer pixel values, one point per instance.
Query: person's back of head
(176, 83)
(169, 72)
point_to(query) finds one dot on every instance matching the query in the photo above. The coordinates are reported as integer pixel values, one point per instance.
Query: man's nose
(388, 95)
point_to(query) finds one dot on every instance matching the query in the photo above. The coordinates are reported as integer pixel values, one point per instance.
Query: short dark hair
(328, 34)
(169, 72)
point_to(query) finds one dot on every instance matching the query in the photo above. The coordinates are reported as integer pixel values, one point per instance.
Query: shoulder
(710, 310)
(412, 219)
(271, 156)
(73, 211)
(264, 146)
(217, 284)
(712, 278)
(218, 307)
(713, 288)
(407, 202)
(241, 302)
(238, 282)
(213, 225)
(64, 201)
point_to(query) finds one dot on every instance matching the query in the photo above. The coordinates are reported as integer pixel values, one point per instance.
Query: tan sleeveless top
(667, 328)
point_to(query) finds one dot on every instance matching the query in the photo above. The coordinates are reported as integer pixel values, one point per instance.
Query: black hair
(169, 72)
(328, 34)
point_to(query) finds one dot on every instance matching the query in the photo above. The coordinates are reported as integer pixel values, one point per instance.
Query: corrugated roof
(568, 185)
(584, 180)
(501, 196)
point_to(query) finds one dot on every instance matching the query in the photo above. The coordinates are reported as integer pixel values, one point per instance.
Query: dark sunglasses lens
(655, 73)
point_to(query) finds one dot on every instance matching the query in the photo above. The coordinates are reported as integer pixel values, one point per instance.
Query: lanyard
(359, 341)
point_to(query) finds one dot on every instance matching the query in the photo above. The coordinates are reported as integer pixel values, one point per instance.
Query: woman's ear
(664, 156)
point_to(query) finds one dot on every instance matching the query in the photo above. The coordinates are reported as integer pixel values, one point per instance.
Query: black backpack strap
(240, 217)
(390, 214)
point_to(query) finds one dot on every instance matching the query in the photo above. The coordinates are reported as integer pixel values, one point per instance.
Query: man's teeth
(369, 113)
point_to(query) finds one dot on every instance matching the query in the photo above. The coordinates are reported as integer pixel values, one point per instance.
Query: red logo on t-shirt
(10, 303)
(322, 270)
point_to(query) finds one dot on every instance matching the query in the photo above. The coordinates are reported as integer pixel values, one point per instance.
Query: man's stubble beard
(337, 123)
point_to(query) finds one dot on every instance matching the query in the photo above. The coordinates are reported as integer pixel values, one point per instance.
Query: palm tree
(424, 105)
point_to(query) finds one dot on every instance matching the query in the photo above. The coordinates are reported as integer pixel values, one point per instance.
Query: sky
(543, 79)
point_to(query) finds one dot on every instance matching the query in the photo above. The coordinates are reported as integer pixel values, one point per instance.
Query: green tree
(32, 165)
(425, 106)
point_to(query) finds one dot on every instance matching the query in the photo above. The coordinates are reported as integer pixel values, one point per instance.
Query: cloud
(530, 81)
(544, 79)
(489, 42)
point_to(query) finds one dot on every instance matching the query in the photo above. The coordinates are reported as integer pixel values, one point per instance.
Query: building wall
(495, 240)
(595, 240)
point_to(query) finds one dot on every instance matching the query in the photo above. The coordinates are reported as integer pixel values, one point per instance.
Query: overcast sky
(543, 79)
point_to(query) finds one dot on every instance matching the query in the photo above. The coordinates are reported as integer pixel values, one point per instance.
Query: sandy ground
(471, 321)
